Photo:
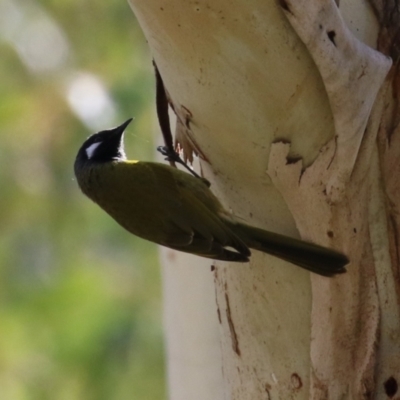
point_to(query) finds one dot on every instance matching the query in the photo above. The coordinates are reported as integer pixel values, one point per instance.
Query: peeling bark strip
(234, 338)
(359, 346)
(162, 111)
(184, 140)
(352, 74)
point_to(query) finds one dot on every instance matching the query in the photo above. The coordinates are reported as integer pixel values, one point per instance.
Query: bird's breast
(133, 197)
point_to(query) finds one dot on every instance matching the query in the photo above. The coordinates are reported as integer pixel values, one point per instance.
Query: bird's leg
(173, 156)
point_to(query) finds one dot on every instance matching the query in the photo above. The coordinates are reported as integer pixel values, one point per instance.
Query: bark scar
(235, 341)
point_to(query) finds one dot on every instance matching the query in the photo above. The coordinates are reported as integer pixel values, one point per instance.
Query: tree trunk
(295, 118)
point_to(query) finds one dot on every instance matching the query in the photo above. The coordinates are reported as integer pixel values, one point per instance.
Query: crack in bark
(235, 341)
(214, 269)
(396, 237)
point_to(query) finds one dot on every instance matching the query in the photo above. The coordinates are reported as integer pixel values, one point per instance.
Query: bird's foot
(172, 155)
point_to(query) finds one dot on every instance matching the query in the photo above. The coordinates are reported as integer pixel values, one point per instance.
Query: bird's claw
(172, 155)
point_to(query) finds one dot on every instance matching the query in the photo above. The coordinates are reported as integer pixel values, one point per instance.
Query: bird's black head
(102, 147)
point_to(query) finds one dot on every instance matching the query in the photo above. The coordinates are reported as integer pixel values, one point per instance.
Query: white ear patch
(91, 149)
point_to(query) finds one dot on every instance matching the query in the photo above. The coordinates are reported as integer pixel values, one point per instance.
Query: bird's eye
(92, 149)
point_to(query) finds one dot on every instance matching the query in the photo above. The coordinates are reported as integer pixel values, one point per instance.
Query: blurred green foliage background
(79, 297)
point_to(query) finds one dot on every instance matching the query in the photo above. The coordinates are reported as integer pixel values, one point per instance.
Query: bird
(173, 208)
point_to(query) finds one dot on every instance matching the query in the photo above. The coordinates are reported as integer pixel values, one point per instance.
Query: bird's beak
(119, 130)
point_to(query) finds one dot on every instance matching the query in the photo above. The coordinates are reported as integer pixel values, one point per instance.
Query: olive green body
(163, 205)
(167, 206)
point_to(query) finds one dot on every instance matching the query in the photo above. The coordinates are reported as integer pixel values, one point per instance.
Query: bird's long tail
(318, 259)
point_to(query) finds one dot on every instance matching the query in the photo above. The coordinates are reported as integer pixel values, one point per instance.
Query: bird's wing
(184, 213)
(195, 214)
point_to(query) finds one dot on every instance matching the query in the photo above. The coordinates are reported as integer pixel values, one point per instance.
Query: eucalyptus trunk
(292, 107)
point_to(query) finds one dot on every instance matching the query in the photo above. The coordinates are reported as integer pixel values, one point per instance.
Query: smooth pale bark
(190, 321)
(284, 102)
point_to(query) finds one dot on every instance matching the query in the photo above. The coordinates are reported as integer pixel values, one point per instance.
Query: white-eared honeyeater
(175, 209)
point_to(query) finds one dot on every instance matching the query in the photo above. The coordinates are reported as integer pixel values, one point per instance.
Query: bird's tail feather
(315, 258)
